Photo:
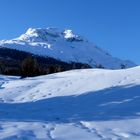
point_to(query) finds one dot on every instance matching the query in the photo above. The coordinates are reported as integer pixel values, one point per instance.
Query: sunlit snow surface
(88, 104)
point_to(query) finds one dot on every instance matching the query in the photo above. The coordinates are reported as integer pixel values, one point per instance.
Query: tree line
(30, 67)
(25, 64)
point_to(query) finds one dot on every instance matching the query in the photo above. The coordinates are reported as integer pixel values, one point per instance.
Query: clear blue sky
(113, 25)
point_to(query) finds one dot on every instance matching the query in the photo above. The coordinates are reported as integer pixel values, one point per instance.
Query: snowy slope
(90, 104)
(65, 46)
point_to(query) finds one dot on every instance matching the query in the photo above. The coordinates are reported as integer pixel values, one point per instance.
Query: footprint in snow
(10, 100)
(1, 128)
(135, 133)
(70, 83)
(37, 91)
(31, 97)
(1, 100)
(43, 126)
(58, 89)
(19, 91)
(44, 96)
(66, 85)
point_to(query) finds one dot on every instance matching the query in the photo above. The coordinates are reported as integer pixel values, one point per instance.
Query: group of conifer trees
(24, 64)
(30, 68)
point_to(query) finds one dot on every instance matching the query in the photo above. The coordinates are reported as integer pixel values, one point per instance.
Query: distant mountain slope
(89, 104)
(66, 46)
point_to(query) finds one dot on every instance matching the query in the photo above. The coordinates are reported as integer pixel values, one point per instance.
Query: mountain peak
(66, 46)
(41, 35)
(31, 31)
(69, 34)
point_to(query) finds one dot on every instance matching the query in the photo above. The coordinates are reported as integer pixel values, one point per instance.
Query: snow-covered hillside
(66, 46)
(90, 104)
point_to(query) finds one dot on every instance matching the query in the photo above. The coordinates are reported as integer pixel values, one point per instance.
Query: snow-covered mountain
(89, 104)
(66, 46)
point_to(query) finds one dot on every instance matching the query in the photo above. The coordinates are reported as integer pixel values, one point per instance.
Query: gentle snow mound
(90, 104)
(75, 82)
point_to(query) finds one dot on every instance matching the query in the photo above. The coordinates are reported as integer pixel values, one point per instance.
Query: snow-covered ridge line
(53, 32)
(66, 46)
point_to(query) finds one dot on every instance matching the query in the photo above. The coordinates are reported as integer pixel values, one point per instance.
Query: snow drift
(91, 104)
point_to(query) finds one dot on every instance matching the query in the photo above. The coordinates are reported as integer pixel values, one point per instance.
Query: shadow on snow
(108, 104)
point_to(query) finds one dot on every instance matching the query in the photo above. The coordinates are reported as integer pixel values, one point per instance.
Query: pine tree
(51, 69)
(29, 67)
(99, 66)
(123, 66)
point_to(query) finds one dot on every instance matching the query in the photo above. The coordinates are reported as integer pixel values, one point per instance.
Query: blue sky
(114, 25)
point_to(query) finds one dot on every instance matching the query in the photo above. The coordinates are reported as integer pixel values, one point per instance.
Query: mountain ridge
(66, 46)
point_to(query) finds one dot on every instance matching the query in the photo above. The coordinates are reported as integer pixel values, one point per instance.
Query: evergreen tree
(2, 67)
(29, 67)
(99, 66)
(123, 66)
(51, 69)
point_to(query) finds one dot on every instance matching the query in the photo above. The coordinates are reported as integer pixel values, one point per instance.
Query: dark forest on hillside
(19, 63)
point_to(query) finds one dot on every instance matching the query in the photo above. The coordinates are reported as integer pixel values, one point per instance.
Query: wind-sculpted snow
(89, 104)
(66, 46)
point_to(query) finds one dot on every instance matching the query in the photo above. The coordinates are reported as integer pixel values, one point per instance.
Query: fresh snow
(69, 34)
(64, 45)
(88, 104)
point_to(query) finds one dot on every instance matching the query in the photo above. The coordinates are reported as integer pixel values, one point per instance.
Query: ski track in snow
(89, 104)
(67, 131)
